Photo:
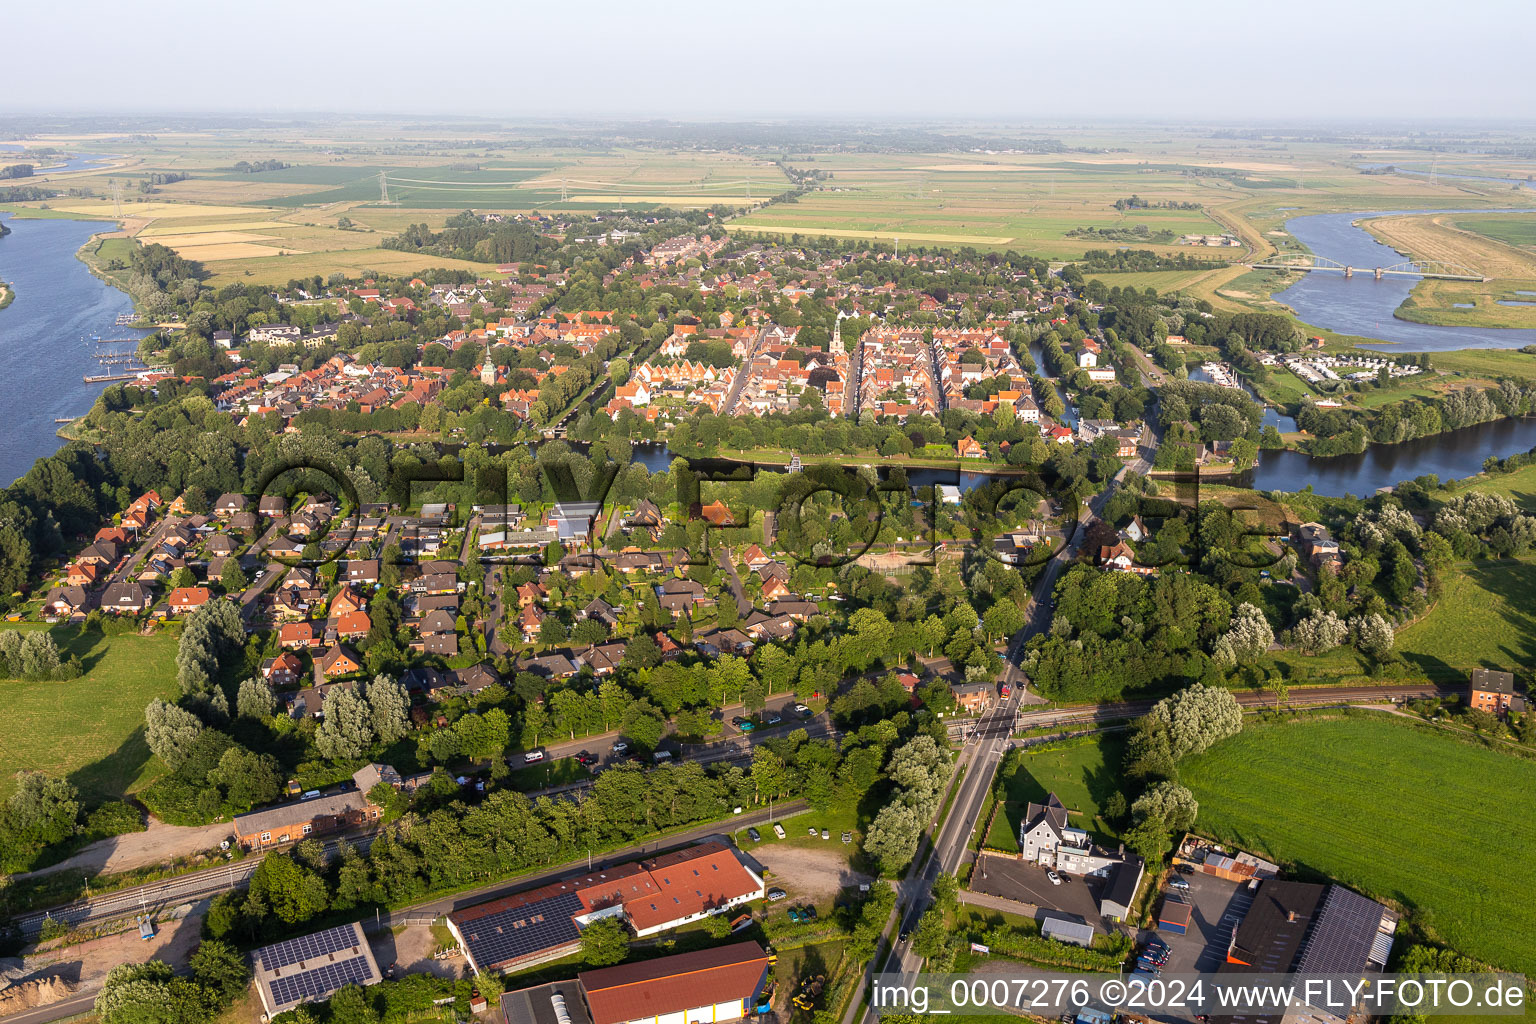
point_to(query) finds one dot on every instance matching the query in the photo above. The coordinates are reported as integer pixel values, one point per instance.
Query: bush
(112, 819)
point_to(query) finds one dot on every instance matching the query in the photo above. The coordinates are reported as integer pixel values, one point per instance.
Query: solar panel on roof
(321, 981)
(307, 947)
(514, 934)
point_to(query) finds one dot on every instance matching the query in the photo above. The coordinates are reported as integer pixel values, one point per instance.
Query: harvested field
(233, 251)
(209, 237)
(780, 229)
(193, 229)
(1436, 237)
(160, 211)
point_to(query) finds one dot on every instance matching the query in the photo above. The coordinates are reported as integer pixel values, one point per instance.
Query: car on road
(754, 835)
(906, 933)
(774, 895)
(744, 724)
(825, 834)
(802, 711)
(847, 836)
(1006, 691)
(620, 747)
(778, 830)
(1054, 877)
(533, 757)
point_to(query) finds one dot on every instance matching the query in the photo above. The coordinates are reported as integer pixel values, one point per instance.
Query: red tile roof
(673, 984)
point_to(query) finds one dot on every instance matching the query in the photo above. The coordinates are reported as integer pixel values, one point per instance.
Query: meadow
(1083, 773)
(1514, 229)
(1419, 819)
(89, 730)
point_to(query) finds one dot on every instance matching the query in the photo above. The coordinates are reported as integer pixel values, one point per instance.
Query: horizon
(1331, 63)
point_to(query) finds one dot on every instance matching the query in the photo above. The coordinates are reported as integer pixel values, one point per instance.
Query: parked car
(825, 834)
(847, 836)
(533, 757)
(1054, 877)
(754, 835)
(774, 895)
(812, 832)
(620, 747)
(802, 711)
(1186, 869)
(1178, 883)
(772, 718)
(778, 830)
(585, 758)
(807, 913)
(744, 724)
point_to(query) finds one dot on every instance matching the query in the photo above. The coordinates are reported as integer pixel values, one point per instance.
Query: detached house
(186, 599)
(1046, 839)
(125, 599)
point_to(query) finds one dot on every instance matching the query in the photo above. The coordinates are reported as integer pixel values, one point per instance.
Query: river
(1363, 305)
(45, 335)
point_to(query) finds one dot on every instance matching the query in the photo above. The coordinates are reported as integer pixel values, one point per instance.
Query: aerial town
(528, 567)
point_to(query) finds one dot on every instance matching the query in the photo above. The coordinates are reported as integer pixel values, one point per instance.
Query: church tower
(488, 369)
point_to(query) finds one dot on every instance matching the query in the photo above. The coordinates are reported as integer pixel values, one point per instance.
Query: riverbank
(7, 293)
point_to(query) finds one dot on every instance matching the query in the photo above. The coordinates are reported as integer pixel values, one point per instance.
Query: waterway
(74, 162)
(45, 334)
(1364, 306)
(1452, 455)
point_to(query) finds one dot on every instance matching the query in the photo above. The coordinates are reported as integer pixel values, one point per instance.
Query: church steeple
(488, 369)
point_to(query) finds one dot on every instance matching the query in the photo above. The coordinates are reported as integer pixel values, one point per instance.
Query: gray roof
(1067, 931)
(302, 810)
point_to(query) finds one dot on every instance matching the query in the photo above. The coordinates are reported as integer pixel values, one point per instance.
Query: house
(125, 598)
(682, 595)
(573, 519)
(84, 574)
(340, 660)
(273, 506)
(67, 600)
(604, 658)
(313, 967)
(370, 775)
(186, 599)
(298, 636)
(599, 610)
(1135, 531)
(1318, 543)
(438, 620)
(969, 448)
(1046, 839)
(1117, 556)
(364, 570)
(775, 588)
(1063, 930)
(228, 504)
(975, 698)
(646, 516)
(1118, 896)
(347, 600)
(529, 620)
(1494, 692)
(284, 670)
(289, 823)
(353, 625)
(717, 514)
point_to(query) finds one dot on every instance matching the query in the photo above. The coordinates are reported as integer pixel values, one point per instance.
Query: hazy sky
(1106, 59)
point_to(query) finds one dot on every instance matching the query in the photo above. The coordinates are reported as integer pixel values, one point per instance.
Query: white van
(778, 830)
(533, 757)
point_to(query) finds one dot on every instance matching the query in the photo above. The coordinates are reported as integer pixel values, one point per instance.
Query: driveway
(1075, 898)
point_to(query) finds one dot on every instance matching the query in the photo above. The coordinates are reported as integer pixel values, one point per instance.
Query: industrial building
(312, 967)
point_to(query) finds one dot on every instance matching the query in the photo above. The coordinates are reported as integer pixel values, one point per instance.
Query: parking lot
(1076, 897)
(1218, 907)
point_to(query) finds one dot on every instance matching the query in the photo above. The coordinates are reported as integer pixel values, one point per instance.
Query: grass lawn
(89, 730)
(1392, 809)
(1082, 773)
(550, 773)
(836, 820)
(1483, 618)
(1519, 486)
(1284, 387)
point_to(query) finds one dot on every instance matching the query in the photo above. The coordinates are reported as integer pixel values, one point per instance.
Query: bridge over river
(1306, 262)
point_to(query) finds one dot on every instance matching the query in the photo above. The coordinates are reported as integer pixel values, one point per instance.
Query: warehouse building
(311, 968)
(653, 896)
(709, 986)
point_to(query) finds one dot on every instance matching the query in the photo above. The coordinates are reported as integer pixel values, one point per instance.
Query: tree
(248, 778)
(604, 942)
(892, 837)
(220, 968)
(295, 894)
(181, 578)
(43, 810)
(643, 724)
(1321, 631)
(232, 577)
(1373, 635)
(389, 708)
(350, 1005)
(1002, 619)
(1198, 716)
(1172, 804)
(1247, 638)
(255, 699)
(347, 732)
(170, 731)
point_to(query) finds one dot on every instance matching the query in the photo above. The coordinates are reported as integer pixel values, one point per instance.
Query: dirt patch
(80, 969)
(807, 873)
(158, 844)
(411, 952)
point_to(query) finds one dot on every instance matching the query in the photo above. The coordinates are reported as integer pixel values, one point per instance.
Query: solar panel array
(514, 934)
(1342, 939)
(321, 981)
(307, 947)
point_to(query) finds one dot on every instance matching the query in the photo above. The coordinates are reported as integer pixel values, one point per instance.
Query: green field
(1082, 773)
(1482, 618)
(1429, 823)
(89, 730)
(1512, 228)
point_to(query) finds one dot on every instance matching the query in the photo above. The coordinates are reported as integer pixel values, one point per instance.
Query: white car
(1054, 877)
(533, 757)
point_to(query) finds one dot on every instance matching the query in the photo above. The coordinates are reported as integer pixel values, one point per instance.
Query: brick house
(289, 823)
(1494, 692)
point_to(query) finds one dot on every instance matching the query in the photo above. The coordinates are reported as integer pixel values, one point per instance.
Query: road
(743, 606)
(733, 396)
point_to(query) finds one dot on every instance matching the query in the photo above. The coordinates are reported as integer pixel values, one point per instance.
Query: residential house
(1494, 692)
(125, 598)
(292, 822)
(187, 599)
(284, 670)
(340, 660)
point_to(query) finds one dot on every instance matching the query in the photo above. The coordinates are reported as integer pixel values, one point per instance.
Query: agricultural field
(101, 713)
(1442, 237)
(1386, 807)
(1510, 228)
